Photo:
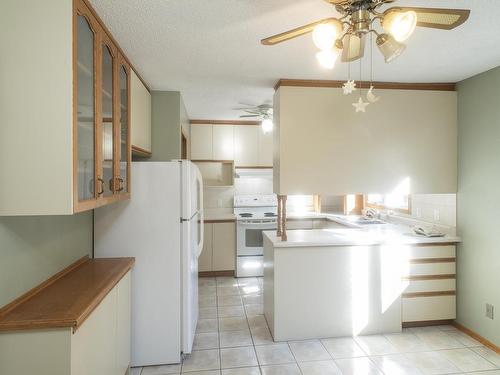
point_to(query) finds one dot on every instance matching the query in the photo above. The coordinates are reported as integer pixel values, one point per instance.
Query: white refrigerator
(162, 227)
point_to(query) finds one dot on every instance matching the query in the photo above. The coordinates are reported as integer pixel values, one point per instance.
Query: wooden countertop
(67, 298)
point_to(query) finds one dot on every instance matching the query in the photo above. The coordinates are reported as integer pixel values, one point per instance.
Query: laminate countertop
(68, 298)
(385, 234)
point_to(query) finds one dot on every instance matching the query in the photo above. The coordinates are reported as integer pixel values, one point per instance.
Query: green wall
(478, 207)
(165, 125)
(34, 248)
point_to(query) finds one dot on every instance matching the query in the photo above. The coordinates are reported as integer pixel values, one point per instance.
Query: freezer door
(192, 190)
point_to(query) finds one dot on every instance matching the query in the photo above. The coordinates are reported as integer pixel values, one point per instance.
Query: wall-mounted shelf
(219, 173)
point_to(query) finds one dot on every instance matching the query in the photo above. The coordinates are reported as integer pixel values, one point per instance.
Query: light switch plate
(490, 311)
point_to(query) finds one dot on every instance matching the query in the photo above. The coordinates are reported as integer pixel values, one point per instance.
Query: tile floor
(233, 339)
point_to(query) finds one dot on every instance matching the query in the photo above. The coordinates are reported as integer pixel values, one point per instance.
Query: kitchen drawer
(419, 309)
(445, 268)
(413, 286)
(426, 252)
(299, 224)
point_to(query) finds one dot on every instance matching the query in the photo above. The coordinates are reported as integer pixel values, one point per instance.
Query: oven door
(249, 236)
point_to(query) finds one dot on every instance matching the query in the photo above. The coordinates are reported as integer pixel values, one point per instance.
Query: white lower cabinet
(101, 345)
(219, 247)
(429, 284)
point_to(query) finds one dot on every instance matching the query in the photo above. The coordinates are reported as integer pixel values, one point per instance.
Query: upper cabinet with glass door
(65, 125)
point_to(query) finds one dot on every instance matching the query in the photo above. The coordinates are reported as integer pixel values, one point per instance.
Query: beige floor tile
(209, 340)
(432, 363)
(308, 350)
(488, 354)
(207, 301)
(231, 339)
(229, 311)
(209, 372)
(496, 372)
(206, 281)
(251, 289)
(202, 360)
(290, 369)
(407, 342)
(397, 364)
(207, 313)
(161, 370)
(376, 345)
(242, 371)
(207, 290)
(463, 338)
(228, 290)
(237, 323)
(344, 347)
(358, 366)
(438, 340)
(319, 368)
(135, 370)
(275, 354)
(229, 301)
(238, 357)
(245, 281)
(257, 321)
(467, 360)
(254, 309)
(261, 336)
(206, 325)
(253, 299)
(227, 281)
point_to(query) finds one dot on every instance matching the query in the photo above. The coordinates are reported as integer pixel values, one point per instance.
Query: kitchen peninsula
(347, 282)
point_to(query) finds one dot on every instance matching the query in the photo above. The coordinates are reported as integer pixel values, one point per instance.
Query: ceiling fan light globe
(325, 34)
(267, 126)
(389, 47)
(400, 25)
(328, 58)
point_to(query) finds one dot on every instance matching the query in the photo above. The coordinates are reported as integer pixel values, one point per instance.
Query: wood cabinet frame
(101, 39)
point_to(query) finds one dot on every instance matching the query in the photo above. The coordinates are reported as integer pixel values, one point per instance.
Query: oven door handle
(260, 223)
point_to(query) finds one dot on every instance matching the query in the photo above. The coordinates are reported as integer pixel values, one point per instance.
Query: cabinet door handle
(101, 183)
(120, 184)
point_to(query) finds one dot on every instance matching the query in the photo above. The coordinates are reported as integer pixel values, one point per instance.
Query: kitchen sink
(364, 221)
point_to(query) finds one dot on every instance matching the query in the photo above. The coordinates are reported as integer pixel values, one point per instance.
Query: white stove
(254, 214)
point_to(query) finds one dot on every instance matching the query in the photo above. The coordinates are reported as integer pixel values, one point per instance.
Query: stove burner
(246, 214)
(269, 214)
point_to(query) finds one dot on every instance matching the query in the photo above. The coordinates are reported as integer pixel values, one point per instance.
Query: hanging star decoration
(360, 105)
(371, 97)
(349, 87)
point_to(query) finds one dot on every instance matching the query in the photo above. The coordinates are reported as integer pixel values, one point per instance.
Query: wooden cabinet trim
(429, 294)
(218, 221)
(432, 260)
(137, 151)
(429, 277)
(224, 122)
(68, 298)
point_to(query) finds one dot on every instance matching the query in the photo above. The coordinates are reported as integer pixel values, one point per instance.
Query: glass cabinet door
(85, 129)
(123, 130)
(107, 129)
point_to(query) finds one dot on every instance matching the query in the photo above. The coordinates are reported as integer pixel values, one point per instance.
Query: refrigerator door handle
(201, 223)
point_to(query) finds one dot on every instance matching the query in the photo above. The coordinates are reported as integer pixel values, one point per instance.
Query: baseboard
(216, 273)
(477, 337)
(426, 323)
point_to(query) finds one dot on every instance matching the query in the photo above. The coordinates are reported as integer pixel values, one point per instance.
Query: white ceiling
(210, 50)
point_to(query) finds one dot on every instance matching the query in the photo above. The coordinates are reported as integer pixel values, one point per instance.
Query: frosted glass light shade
(267, 126)
(325, 34)
(327, 58)
(400, 25)
(389, 47)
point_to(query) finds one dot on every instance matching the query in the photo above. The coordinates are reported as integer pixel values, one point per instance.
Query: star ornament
(360, 105)
(349, 87)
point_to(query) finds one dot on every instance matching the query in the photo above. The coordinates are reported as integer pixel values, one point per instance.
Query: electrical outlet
(490, 311)
(436, 214)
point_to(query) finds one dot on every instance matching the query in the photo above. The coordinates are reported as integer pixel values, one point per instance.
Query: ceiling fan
(346, 35)
(263, 112)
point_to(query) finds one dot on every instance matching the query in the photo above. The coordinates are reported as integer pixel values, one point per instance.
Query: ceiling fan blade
(437, 18)
(290, 34)
(354, 48)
